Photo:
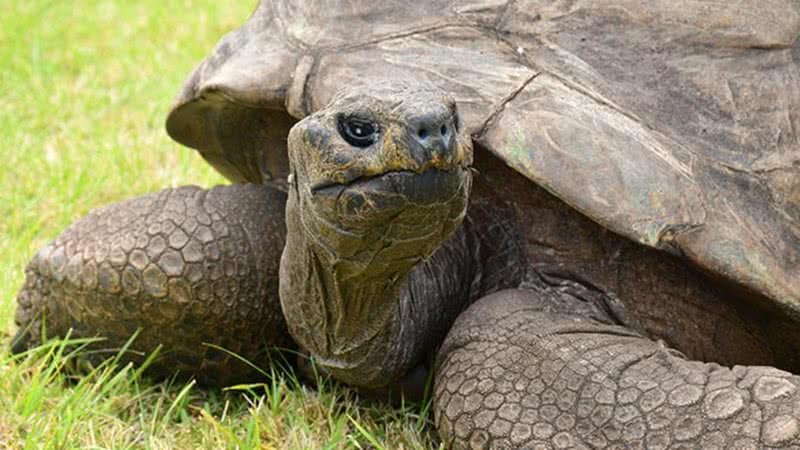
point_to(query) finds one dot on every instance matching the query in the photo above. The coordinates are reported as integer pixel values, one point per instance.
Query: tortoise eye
(358, 132)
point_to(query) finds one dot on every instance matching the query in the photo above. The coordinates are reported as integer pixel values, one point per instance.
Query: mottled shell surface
(671, 122)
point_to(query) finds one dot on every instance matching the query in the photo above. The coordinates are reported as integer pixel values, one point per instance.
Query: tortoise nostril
(433, 138)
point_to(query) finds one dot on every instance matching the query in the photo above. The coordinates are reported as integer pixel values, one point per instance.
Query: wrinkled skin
(398, 259)
(360, 219)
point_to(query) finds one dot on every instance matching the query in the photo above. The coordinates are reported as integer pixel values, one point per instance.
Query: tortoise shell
(673, 123)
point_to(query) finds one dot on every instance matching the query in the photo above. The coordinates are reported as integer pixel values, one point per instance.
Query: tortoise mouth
(372, 196)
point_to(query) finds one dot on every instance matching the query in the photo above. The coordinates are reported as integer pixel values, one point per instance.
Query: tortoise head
(379, 179)
(390, 158)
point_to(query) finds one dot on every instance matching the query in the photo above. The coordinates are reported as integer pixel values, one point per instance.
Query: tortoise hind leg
(519, 372)
(186, 267)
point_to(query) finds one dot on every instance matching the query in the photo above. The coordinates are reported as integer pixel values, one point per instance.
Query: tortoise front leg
(517, 372)
(187, 267)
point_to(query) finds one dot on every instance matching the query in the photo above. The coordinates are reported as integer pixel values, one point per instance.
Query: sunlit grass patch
(45, 403)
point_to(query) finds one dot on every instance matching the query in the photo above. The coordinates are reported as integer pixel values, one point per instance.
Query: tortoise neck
(368, 326)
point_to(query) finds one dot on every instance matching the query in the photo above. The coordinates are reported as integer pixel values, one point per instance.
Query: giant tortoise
(625, 230)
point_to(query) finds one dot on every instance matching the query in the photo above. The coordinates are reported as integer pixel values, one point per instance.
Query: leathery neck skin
(380, 181)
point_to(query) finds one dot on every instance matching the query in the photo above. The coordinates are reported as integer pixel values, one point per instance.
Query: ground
(85, 87)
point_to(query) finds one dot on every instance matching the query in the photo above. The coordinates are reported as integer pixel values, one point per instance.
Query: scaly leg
(187, 267)
(519, 370)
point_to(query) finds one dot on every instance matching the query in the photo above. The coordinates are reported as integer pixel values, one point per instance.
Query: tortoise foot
(188, 269)
(515, 374)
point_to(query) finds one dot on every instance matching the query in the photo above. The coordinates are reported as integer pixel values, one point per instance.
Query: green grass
(85, 86)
